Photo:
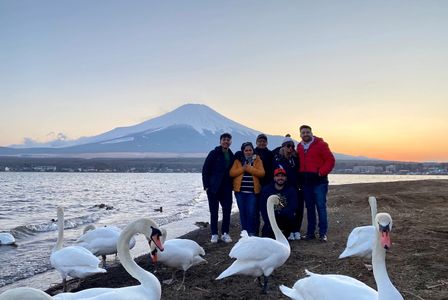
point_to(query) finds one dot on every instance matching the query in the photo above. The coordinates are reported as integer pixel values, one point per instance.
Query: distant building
(391, 169)
(367, 169)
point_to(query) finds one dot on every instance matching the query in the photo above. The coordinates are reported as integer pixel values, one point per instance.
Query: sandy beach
(417, 262)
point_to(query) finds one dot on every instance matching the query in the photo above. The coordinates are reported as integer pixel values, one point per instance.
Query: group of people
(298, 174)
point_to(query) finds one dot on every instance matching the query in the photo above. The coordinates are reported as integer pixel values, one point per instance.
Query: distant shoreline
(194, 165)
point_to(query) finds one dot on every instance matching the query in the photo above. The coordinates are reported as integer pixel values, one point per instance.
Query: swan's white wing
(125, 293)
(360, 242)
(102, 232)
(102, 241)
(256, 256)
(75, 261)
(24, 293)
(181, 254)
(329, 287)
(254, 248)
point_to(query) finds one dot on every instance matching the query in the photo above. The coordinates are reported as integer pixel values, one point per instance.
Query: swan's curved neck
(271, 215)
(146, 278)
(60, 240)
(373, 208)
(384, 285)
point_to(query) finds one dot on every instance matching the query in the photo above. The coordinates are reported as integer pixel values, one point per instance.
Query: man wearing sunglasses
(286, 157)
(316, 162)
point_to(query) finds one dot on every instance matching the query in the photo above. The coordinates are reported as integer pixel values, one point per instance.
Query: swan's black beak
(385, 236)
(155, 238)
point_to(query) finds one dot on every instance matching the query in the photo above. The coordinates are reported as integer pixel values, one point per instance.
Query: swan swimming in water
(74, 261)
(7, 239)
(361, 239)
(336, 287)
(256, 256)
(180, 254)
(149, 289)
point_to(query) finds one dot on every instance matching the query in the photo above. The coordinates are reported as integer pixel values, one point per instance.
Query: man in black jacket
(284, 214)
(218, 185)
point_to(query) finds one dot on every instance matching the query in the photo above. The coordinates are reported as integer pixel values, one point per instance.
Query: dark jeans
(247, 205)
(316, 199)
(223, 197)
(299, 212)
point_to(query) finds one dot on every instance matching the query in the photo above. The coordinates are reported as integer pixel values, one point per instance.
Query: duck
(74, 261)
(149, 288)
(256, 256)
(7, 239)
(24, 293)
(179, 254)
(360, 241)
(333, 286)
(101, 241)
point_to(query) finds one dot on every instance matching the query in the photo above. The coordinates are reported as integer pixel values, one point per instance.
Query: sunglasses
(289, 146)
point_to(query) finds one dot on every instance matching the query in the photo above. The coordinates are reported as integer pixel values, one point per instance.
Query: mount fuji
(189, 130)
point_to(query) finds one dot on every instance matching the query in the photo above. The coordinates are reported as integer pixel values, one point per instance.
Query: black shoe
(309, 237)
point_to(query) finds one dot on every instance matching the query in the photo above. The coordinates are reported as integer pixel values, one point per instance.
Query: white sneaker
(214, 238)
(291, 237)
(226, 238)
(297, 236)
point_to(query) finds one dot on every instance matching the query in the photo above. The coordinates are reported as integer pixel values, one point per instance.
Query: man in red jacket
(316, 162)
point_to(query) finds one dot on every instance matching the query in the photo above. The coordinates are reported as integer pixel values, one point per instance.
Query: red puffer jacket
(318, 159)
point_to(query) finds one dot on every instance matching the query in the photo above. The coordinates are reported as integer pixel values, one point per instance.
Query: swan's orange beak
(157, 242)
(385, 239)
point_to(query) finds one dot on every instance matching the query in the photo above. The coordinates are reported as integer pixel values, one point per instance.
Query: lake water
(28, 203)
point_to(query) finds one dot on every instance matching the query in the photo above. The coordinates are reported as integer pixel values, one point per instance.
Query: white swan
(256, 256)
(361, 239)
(335, 287)
(101, 241)
(7, 239)
(180, 254)
(74, 261)
(149, 289)
(24, 293)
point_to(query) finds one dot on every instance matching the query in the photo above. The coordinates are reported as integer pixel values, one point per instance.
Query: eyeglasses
(289, 146)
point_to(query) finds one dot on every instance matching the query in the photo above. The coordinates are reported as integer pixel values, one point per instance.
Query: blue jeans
(247, 204)
(316, 199)
(223, 197)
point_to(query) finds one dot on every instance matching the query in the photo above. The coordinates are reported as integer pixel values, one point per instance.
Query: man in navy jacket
(218, 185)
(285, 216)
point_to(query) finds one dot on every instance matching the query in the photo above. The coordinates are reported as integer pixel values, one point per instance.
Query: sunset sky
(370, 77)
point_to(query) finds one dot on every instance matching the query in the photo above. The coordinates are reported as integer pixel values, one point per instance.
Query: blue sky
(369, 76)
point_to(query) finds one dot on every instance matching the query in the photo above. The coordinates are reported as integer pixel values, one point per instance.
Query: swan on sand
(149, 289)
(256, 256)
(336, 287)
(74, 261)
(101, 241)
(361, 239)
(179, 254)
